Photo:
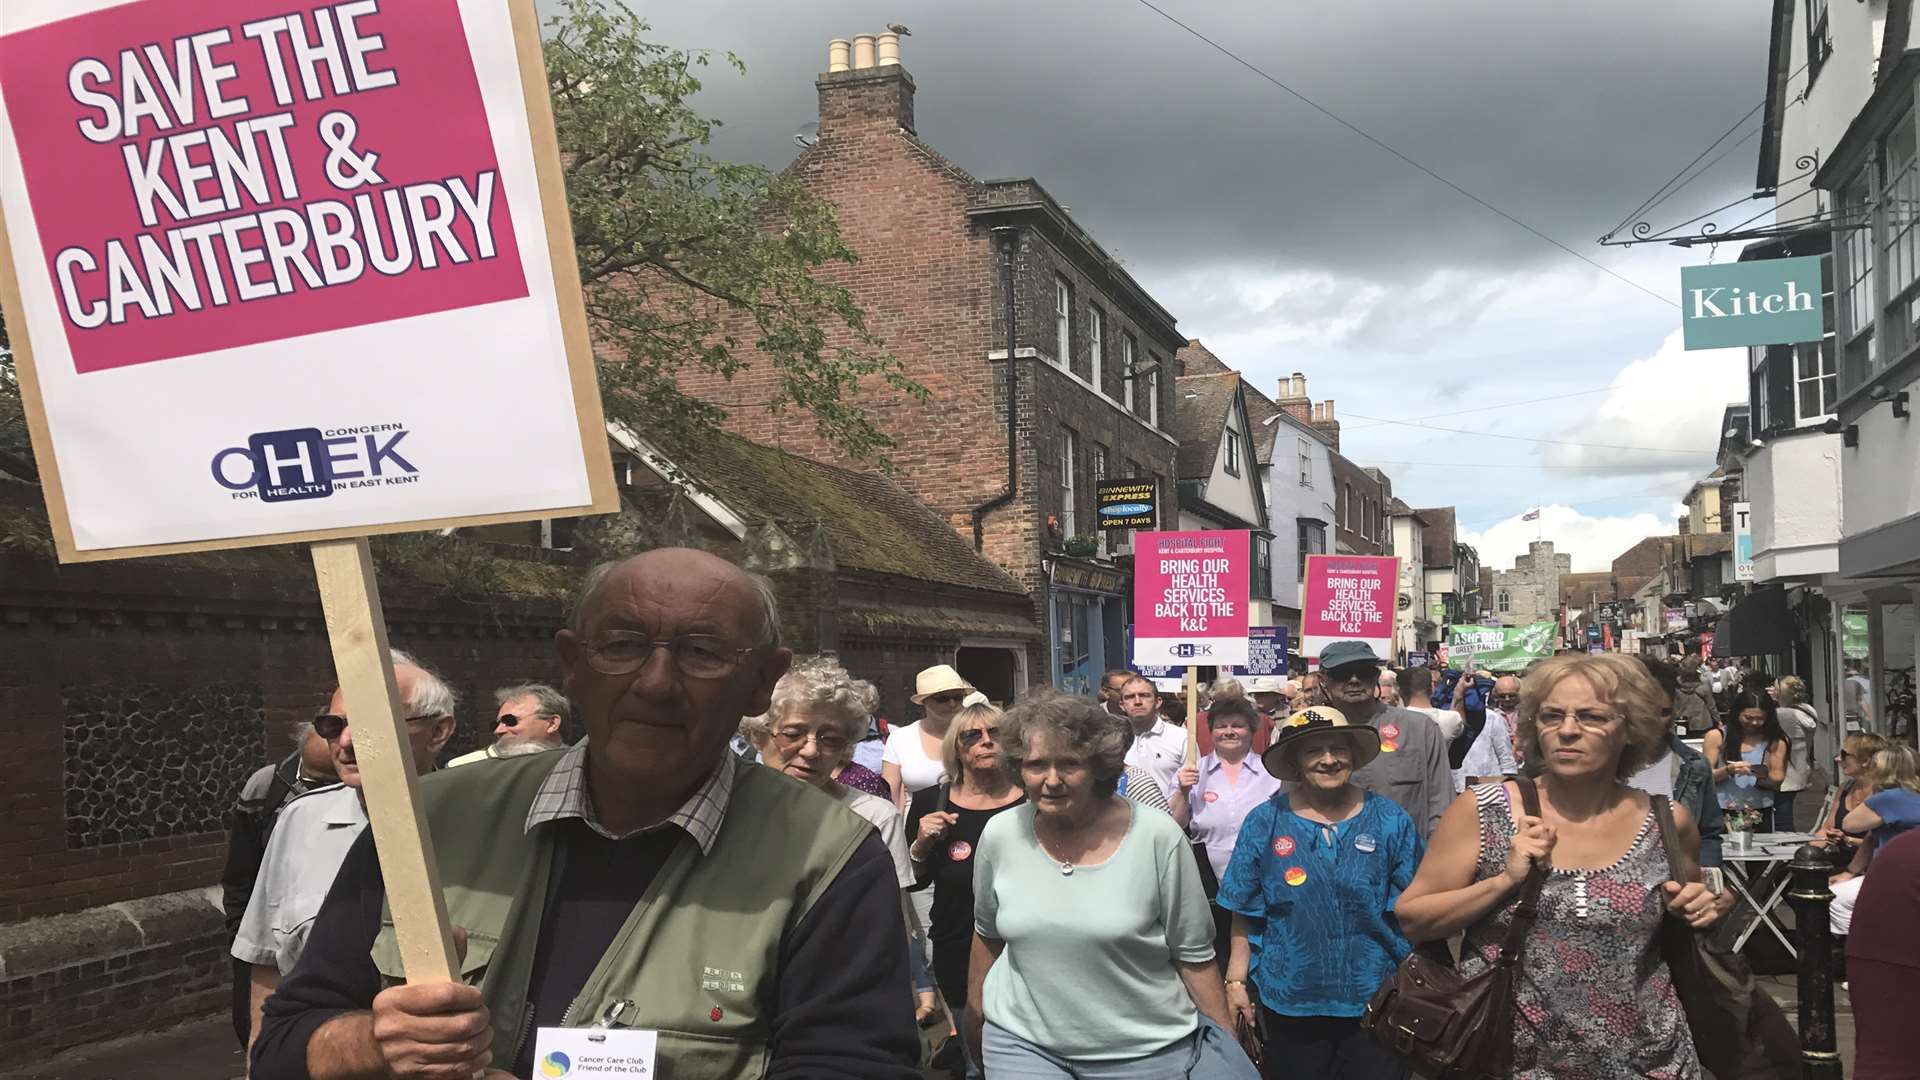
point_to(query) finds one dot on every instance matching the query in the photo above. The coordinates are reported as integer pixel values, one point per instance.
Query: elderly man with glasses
(315, 831)
(644, 882)
(1412, 768)
(529, 722)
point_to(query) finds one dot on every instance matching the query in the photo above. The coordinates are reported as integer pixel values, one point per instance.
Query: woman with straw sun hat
(912, 757)
(1312, 884)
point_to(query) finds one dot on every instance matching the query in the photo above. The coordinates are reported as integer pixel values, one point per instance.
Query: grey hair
(762, 592)
(819, 682)
(1226, 687)
(546, 700)
(1091, 732)
(431, 694)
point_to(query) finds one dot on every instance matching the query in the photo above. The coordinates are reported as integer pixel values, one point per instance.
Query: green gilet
(700, 951)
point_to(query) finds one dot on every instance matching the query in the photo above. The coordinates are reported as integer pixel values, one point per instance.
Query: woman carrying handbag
(1589, 992)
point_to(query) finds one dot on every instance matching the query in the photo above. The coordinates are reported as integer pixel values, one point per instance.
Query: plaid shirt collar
(564, 794)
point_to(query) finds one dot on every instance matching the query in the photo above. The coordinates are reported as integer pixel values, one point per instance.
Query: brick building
(1092, 360)
(1361, 495)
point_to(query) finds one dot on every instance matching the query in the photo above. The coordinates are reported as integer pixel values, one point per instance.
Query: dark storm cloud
(1563, 114)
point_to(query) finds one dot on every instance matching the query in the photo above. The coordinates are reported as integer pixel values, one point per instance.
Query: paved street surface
(204, 1050)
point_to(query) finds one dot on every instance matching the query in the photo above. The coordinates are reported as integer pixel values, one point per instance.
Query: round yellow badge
(1296, 876)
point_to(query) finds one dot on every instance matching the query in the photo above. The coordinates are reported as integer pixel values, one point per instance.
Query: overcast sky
(1288, 243)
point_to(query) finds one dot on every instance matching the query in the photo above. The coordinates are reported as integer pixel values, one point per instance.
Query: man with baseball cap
(1412, 768)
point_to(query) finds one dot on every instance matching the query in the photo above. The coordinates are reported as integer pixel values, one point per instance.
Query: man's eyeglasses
(950, 697)
(827, 742)
(1588, 719)
(972, 736)
(329, 726)
(1506, 701)
(697, 656)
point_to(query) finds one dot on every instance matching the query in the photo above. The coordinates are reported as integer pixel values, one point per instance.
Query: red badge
(1211, 796)
(716, 1014)
(959, 851)
(1283, 846)
(1389, 731)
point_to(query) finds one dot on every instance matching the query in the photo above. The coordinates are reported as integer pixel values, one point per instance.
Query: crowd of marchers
(741, 857)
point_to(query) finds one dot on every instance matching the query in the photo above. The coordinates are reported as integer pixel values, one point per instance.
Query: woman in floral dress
(1593, 1000)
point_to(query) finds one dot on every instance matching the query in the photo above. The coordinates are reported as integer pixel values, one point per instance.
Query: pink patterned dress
(1594, 1000)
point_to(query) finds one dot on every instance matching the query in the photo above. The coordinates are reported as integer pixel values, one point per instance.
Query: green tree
(679, 250)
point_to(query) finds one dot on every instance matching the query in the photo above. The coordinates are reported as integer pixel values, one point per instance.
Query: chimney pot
(862, 51)
(1299, 385)
(1329, 410)
(837, 52)
(887, 49)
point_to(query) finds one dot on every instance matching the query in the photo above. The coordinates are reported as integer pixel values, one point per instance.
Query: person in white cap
(912, 758)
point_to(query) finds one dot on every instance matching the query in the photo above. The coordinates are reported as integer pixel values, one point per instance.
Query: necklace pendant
(1066, 868)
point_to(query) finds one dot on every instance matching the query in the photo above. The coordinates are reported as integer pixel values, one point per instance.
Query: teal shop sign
(1763, 302)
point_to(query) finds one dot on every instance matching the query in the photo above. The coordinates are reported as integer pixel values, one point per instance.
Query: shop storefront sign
(1760, 302)
(1742, 542)
(1126, 504)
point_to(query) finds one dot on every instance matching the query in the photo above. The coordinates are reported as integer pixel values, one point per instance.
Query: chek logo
(314, 463)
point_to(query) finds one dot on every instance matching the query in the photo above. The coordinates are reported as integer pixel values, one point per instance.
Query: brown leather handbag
(1450, 1026)
(1739, 1031)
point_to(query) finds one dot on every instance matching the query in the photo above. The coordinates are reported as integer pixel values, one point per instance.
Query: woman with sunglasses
(817, 713)
(945, 822)
(912, 757)
(1856, 758)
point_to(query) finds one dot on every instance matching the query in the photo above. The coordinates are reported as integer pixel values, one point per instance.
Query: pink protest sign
(209, 175)
(1349, 598)
(1190, 598)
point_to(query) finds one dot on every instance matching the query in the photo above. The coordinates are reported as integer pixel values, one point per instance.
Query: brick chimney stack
(1323, 422)
(864, 89)
(1293, 399)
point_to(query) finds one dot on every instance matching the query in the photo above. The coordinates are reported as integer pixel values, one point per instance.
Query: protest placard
(284, 270)
(1190, 598)
(280, 271)
(1266, 653)
(1500, 648)
(1349, 598)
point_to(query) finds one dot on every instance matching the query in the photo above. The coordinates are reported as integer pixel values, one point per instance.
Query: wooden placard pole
(357, 630)
(1193, 716)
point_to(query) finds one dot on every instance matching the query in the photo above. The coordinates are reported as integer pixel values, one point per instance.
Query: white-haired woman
(1592, 996)
(817, 713)
(1093, 944)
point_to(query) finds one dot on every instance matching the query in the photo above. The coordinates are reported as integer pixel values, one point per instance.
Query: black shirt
(836, 1010)
(950, 872)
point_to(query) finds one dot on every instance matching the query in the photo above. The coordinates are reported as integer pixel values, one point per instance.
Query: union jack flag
(1531, 515)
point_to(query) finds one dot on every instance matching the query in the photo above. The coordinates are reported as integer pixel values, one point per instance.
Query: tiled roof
(1201, 405)
(875, 524)
(1197, 359)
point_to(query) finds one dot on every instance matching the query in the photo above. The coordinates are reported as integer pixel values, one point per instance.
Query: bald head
(729, 586)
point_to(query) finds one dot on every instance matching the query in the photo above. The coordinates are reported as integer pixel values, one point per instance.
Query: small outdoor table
(1747, 869)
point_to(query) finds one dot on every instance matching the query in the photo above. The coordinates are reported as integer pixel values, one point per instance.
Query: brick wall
(134, 648)
(1358, 498)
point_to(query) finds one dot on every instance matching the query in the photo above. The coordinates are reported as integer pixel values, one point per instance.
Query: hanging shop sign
(1190, 597)
(1126, 504)
(1674, 619)
(1742, 541)
(1760, 302)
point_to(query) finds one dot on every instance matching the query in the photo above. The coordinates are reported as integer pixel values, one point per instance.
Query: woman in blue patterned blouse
(1314, 877)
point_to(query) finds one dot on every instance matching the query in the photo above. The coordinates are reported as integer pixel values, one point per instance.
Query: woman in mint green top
(1093, 940)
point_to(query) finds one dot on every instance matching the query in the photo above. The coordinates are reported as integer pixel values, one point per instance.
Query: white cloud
(1594, 542)
(1672, 400)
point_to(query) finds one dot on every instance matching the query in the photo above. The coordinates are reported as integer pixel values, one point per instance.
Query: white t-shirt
(891, 826)
(1451, 723)
(917, 770)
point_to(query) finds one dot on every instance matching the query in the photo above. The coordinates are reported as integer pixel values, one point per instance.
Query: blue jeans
(1208, 1054)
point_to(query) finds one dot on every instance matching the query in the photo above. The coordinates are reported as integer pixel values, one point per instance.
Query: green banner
(1500, 648)
(1759, 302)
